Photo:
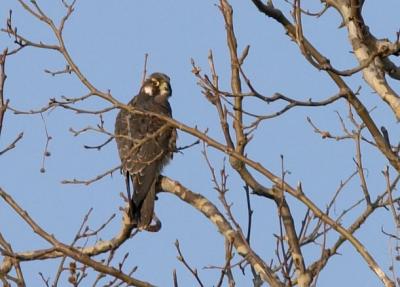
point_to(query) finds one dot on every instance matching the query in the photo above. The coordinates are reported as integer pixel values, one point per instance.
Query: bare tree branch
(68, 250)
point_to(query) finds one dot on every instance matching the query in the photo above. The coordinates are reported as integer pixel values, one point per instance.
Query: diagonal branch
(224, 227)
(69, 250)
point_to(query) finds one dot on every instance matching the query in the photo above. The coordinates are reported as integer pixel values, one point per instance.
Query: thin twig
(13, 144)
(181, 258)
(90, 181)
(146, 56)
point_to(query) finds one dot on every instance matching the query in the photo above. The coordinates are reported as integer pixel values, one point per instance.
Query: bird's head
(157, 85)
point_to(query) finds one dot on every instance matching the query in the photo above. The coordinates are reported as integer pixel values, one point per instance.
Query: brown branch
(3, 77)
(241, 140)
(339, 190)
(182, 259)
(286, 217)
(317, 266)
(213, 93)
(347, 135)
(363, 113)
(12, 144)
(68, 250)
(293, 103)
(66, 104)
(213, 96)
(300, 38)
(227, 269)
(98, 248)
(90, 181)
(364, 44)
(21, 41)
(77, 237)
(211, 212)
(326, 65)
(390, 198)
(70, 10)
(313, 14)
(360, 167)
(15, 262)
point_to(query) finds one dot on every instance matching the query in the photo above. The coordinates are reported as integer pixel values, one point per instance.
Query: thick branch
(211, 212)
(362, 112)
(366, 45)
(227, 12)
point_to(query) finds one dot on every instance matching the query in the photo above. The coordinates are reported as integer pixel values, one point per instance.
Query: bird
(145, 145)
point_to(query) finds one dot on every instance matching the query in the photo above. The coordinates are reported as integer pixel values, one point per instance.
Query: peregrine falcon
(145, 145)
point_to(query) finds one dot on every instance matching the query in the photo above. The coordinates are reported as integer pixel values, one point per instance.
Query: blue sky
(108, 41)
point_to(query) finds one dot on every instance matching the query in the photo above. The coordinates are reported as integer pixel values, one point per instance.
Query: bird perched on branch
(145, 144)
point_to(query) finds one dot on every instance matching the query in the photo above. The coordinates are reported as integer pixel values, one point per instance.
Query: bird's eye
(156, 83)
